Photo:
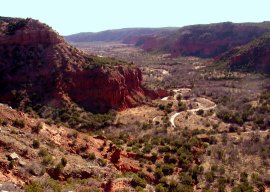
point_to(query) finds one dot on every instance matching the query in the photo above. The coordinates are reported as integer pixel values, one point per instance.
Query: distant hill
(254, 56)
(115, 35)
(206, 41)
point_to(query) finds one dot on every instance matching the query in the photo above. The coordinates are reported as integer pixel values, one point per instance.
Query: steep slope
(255, 56)
(116, 35)
(203, 40)
(32, 150)
(38, 67)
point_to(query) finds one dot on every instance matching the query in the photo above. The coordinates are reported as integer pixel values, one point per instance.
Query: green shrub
(164, 149)
(179, 97)
(186, 179)
(221, 184)
(154, 157)
(3, 122)
(12, 164)
(34, 187)
(54, 185)
(59, 168)
(167, 169)
(168, 158)
(19, 123)
(36, 144)
(64, 161)
(37, 128)
(158, 174)
(102, 162)
(168, 110)
(161, 107)
(92, 156)
(138, 182)
(47, 159)
(147, 148)
(243, 187)
(200, 112)
(243, 177)
(43, 152)
(181, 106)
(183, 188)
(210, 176)
(160, 188)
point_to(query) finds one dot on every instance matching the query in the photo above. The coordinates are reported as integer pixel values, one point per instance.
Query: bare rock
(13, 156)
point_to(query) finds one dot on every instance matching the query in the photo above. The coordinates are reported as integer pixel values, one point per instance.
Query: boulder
(115, 157)
(13, 156)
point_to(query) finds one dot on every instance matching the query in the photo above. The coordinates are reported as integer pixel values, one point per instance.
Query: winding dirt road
(172, 118)
(200, 105)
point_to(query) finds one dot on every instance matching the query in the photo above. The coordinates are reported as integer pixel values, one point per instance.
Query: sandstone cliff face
(102, 89)
(36, 62)
(254, 57)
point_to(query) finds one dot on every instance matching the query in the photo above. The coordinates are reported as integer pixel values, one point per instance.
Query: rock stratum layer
(37, 62)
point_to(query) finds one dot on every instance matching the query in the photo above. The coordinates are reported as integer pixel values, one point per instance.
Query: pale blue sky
(73, 16)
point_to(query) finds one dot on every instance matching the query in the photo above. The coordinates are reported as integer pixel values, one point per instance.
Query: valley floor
(228, 111)
(211, 133)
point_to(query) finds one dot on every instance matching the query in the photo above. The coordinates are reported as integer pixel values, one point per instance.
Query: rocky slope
(38, 66)
(34, 151)
(255, 56)
(203, 40)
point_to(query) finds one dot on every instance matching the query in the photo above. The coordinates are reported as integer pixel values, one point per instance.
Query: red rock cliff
(253, 57)
(102, 89)
(35, 61)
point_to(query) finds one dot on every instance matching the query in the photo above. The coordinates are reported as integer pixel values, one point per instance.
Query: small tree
(36, 144)
(64, 161)
(200, 112)
(92, 156)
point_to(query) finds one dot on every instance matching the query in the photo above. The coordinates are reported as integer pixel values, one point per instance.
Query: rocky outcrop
(37, 65)
(25, 32)
(121, 160)
(253, 57)
(115, 157)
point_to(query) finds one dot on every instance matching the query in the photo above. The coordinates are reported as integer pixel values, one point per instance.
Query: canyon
(157, 110)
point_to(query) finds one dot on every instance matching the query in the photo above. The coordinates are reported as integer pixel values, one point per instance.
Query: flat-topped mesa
(26, 32)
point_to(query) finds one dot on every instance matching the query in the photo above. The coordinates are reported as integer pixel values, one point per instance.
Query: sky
(74, 16)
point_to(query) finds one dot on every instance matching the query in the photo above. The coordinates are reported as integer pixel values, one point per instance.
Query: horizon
(96, 16)
(166, 27)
